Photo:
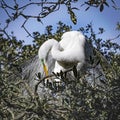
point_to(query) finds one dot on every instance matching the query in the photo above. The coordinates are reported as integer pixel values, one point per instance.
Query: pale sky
(106, 19)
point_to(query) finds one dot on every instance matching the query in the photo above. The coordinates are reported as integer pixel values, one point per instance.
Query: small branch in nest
(49, 76)
(20, 116)
(11, 112)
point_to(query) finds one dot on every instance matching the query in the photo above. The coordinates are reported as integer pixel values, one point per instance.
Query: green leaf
(72, 15)
(87, 8)
(113, 2)
(73, 18)
(39, 75)
(44, 14)
(39, 20)
(101, 7)
(106, 4)
(75, 71)
(61, 74)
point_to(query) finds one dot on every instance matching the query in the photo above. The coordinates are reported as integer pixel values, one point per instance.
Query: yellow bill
(45, 68)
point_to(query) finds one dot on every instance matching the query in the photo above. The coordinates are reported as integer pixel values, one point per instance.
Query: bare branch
(115, 37)
(23, 26)
(37, 3)
(19, 11)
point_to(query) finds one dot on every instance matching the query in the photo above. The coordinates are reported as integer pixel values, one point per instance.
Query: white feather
(69, 51)
(66, 53)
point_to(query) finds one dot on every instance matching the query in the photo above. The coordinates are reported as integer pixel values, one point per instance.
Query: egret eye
(42, 61)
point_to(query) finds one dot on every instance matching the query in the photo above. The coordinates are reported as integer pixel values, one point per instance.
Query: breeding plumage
(66, 53)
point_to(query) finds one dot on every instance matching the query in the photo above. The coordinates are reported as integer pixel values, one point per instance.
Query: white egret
(54, 56)
(66, 53)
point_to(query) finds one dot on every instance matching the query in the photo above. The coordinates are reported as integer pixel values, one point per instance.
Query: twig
(41, 80)
(115, 37)
(23, 26)
(19, 12)
(20, 116)
(11, 112)
(36, 3)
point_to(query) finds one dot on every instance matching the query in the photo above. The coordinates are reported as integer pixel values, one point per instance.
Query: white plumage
(54, 56)
(66, 53)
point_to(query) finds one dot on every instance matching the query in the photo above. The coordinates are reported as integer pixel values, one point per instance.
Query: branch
(19, 11)
(49, 76)
(23, 26)
(36, 3)
(115, 37)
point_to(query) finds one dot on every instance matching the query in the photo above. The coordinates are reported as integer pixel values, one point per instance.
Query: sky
(106, 19)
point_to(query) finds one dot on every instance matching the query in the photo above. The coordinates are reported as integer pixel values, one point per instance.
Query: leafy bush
(72, 99)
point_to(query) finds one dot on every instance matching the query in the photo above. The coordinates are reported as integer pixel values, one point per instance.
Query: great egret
(54, 56)
(66, 53)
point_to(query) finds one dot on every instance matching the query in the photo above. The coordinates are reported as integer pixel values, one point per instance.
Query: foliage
(72, 99)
